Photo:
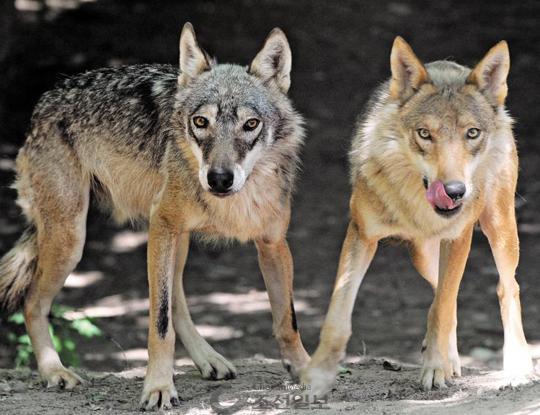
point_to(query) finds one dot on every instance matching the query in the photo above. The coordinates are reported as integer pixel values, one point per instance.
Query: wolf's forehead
(229, 92)
(450, 105)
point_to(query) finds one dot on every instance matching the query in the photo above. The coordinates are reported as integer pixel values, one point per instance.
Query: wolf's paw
(62, 378)
(318, 381)
(296, 368)
(432, 377)
(455, 362)
(518, 363)
(436, 370)
(159, 396)
(212, 365)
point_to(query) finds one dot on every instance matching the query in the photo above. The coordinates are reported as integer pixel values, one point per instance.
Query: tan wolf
(433, 155)
(210, 149)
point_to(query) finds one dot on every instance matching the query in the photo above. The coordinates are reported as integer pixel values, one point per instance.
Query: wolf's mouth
(447, 212)
(222, 195)
(439, 200)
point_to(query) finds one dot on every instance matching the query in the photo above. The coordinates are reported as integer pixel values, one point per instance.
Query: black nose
(220, 180)
(455, 189)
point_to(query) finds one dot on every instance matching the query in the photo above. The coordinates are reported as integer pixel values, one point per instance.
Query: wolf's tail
(17, 268)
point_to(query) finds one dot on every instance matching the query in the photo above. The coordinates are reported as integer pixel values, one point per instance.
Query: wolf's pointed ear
(491, 73)
(408, 73)
(273, 62)
(193, 60)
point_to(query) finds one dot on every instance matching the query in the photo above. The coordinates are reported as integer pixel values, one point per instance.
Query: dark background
(340, 53)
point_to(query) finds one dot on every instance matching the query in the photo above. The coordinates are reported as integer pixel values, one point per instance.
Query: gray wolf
(433, 155)
(208, 149)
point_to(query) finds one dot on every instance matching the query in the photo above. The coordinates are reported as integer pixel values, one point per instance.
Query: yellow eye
(473, 133)
(251, 124)
(424, 133)
(200, 122)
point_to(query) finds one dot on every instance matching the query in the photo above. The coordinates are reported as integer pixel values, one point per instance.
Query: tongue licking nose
(437, 197)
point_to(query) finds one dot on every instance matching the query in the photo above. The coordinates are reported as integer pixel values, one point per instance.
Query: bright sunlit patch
(111, 306)
(531, 228)
(251, 301)
(7, 164)
(37, 5)
(127, 241)
(132, 355)
(534, 348)
(28, 5)
(83, 279)
(218, 333)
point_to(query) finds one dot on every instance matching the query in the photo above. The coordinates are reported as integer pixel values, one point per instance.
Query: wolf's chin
(447, 213)
(222, 195)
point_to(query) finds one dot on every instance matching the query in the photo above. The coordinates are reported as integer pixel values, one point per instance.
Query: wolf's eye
(251, 124)
(200, 122)
(423, 133)
(473, 133)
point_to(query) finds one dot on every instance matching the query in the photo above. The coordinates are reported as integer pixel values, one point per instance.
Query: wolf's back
(17, 268)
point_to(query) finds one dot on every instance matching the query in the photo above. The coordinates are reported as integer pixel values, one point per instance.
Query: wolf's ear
(193, 60)
(491, 73)
(273, 62)
(408, 73)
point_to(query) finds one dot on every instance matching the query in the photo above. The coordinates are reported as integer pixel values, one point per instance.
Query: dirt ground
(341, 52)
(367, 387)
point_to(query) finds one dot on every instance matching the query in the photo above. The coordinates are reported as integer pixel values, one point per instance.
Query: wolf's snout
(445, 197)
(220, 180)
(455, 189)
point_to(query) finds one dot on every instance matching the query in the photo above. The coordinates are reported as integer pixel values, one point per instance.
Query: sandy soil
(262, 387)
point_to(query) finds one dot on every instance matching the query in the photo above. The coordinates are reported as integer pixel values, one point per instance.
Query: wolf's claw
(62, 378)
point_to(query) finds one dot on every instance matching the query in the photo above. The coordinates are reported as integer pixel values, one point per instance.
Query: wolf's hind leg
(60, 205)
(425, 257)
(210, 363)
(499, 225)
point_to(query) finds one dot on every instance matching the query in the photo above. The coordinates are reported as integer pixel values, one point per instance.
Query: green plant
(62, 330)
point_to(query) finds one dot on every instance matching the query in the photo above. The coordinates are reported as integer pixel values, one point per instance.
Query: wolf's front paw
(158, 395)
(295, 367)
(518, 365)
(517, 361)
(455, 361)
(61, 377)
(435, 370)
(318, 381)
(212, 365)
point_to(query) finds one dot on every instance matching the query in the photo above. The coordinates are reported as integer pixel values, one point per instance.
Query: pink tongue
(436, 196)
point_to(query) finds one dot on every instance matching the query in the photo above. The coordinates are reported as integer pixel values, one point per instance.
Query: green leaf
(24, 339)
(58, 311)
(17, 318)
(86, 328)
(69, 345)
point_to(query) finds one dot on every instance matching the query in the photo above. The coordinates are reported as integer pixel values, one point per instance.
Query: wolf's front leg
(356, 255)
(498, 222)
(159, 391)
(425, 256)
(211, 364)
(276, 265)
(437, 366)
